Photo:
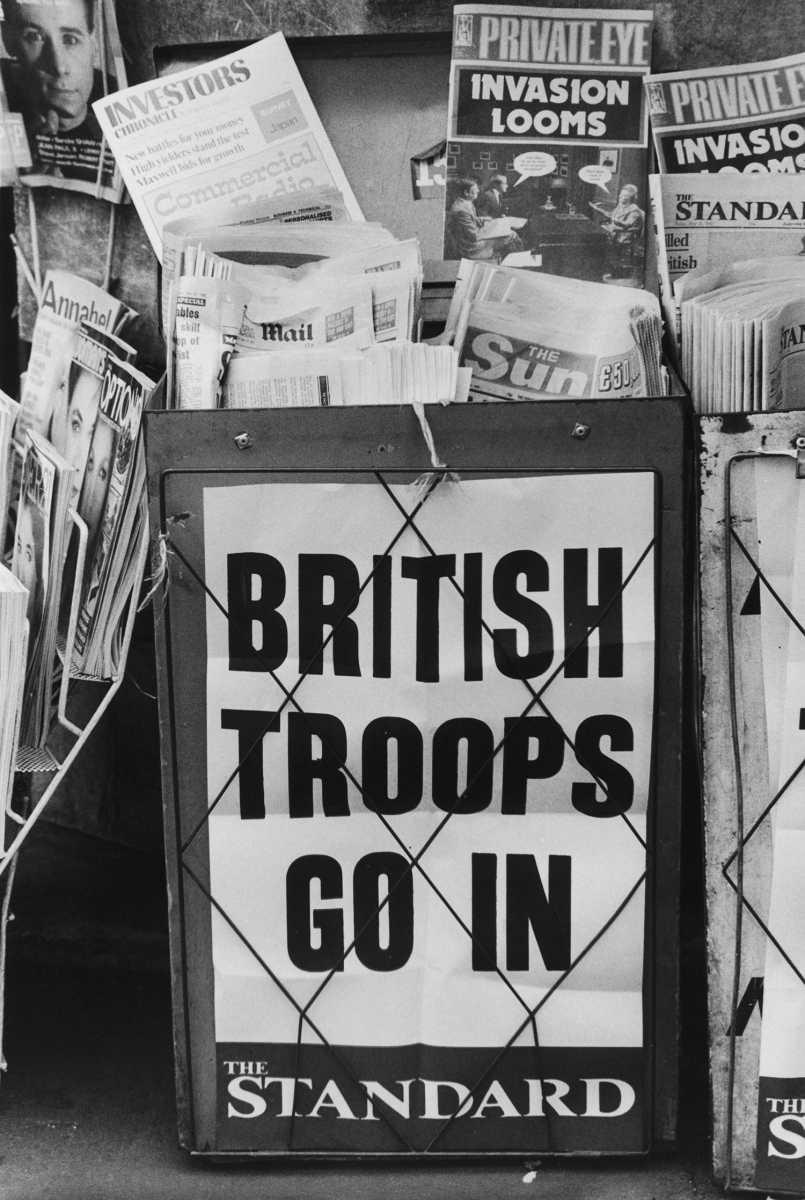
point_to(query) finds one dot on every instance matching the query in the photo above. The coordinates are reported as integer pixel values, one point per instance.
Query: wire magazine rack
(220, 437)
(20, 816)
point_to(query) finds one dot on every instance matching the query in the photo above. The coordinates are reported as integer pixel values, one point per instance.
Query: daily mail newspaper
(240, 129)
(58, 58)
(547, 124)
(746, 118)
(709, 220)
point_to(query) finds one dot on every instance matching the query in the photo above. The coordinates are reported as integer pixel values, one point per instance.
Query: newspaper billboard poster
(428, 764)
(57, 58)
(742, 119)
(548, 128)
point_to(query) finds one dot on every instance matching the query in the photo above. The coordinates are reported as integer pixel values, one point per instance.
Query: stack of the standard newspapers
(731, 250)
(527, 335)
(77, 451)
(271, 310)
(729, 215)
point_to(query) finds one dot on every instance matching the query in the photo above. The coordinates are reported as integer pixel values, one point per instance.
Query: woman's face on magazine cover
(71, 427)
(25, 566)
(53, 41)
(96, 479)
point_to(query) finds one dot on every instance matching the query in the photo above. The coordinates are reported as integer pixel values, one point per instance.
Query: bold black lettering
(615, 780)
(484, 912)
(529, 908)
(304, 769)
(473, 629)
(607, 614)
(375, 765)
(519, 735)
(752, 997)
(244, 612)
(315, 614)
(366, 899)
(532, 616)
(428, 571)
(381, 617)
(252, 726)
(301, 919)
(447, 791)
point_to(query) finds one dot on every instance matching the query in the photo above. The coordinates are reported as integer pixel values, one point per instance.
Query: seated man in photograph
(625, 226)
(490, 201)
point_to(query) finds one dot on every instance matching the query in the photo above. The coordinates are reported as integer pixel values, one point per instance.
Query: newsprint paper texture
(237, 130)
(413, 1034)
(746, 118)
(547, 116)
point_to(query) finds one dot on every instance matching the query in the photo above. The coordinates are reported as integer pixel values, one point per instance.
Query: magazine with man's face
(57, 58)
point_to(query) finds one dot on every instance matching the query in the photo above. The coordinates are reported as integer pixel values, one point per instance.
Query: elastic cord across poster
(414, 832)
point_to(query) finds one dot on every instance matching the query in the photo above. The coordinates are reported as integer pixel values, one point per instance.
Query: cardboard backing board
(743, 457)
(217, 478)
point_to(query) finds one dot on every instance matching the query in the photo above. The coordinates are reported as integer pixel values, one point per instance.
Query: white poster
(428, 839)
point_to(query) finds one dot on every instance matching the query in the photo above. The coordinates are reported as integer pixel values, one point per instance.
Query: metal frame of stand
(41, 760)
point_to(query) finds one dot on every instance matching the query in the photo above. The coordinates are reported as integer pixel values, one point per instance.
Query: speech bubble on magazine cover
(600, 176)
(533, 162)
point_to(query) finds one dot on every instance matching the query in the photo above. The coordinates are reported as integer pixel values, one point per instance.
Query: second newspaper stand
(421, 751)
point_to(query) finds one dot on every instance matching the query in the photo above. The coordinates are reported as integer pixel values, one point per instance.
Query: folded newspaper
(237, 130)
(527, 335)
(708, 221)
(743, 335)
(745, 118)
(276, 288)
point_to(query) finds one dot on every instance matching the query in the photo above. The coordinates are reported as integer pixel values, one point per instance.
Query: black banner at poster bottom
(399, 1099)
(780, 1155)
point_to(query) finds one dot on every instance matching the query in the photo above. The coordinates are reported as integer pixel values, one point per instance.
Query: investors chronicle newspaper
(237, 130)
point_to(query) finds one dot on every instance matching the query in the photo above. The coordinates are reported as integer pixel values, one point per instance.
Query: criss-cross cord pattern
(414, 860)
(744, 836)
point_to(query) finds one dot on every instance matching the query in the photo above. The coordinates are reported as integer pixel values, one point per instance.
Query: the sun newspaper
(532, 336)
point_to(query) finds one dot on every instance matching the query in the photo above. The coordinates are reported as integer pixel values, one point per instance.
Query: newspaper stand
(190, 455)
(20, 816)
(739, 798)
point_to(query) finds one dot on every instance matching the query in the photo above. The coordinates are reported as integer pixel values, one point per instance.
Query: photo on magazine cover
(58, 57)
(547, 140)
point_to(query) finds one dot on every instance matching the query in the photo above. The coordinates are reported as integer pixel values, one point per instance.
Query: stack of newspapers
(74, 474)
(731, 250)
(729, 215)
(297, 307)
(526, 335)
